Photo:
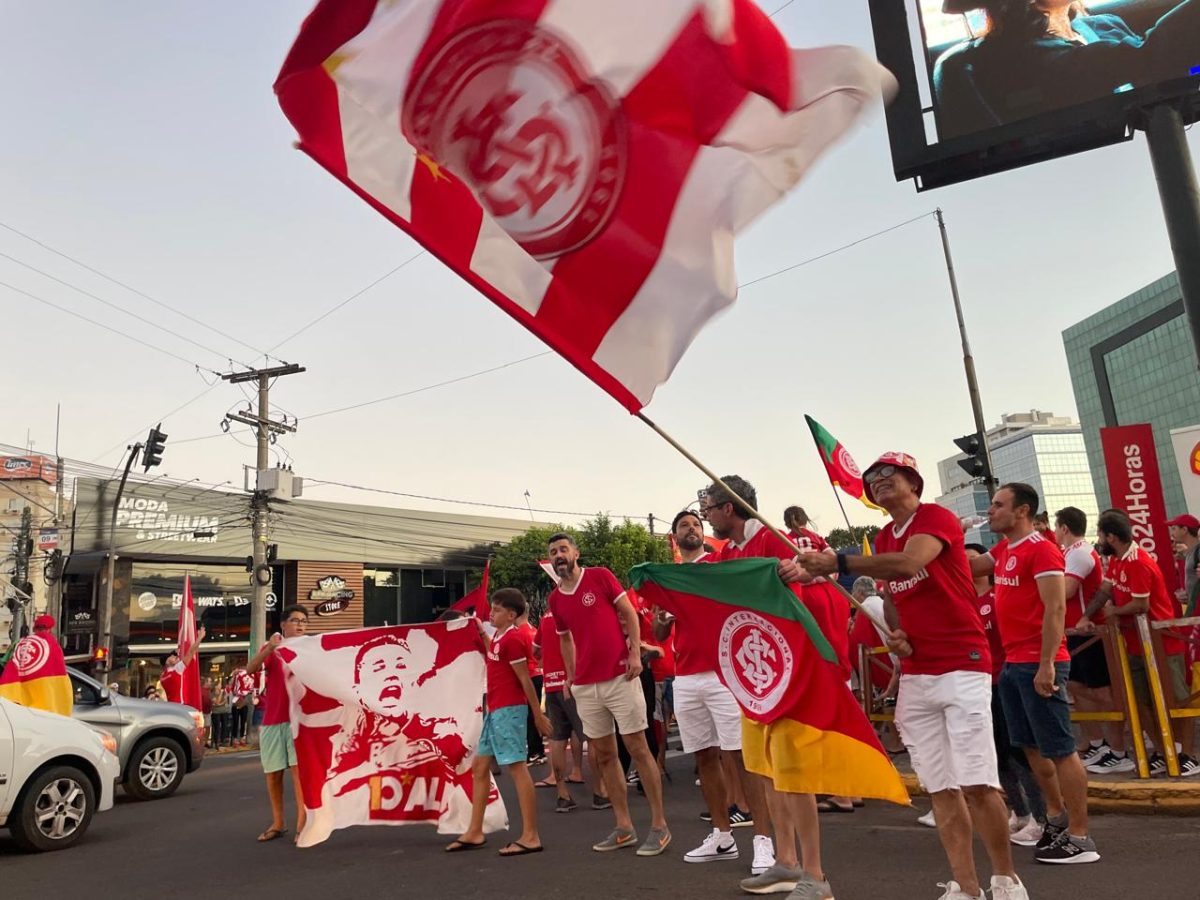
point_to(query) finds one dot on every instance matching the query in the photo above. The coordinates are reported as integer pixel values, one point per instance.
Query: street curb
(1137, 798)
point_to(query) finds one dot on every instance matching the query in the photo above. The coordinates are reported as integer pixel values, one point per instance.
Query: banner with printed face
(386, 721)
(1135, 485)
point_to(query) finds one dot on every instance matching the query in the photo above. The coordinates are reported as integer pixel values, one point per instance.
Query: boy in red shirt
(510, 698)
(1135, 585)
(277, 752)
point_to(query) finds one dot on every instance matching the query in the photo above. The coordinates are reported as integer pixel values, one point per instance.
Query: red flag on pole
(186, 638)
(583, 165)
(477, 601)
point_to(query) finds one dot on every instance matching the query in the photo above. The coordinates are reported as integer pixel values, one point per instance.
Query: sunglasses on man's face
(881, 473)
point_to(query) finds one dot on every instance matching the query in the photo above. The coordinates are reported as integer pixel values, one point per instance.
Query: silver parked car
(157, 742)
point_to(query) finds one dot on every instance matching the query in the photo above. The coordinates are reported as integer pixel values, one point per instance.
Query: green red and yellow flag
(36, 676)
(767, 648)
(840, 466)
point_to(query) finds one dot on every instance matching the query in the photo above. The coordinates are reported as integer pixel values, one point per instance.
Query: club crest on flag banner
(31, 655)
(756, 662)
(386, 721)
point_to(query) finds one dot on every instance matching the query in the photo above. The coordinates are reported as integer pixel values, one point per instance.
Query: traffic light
(100, 658)
(152, 454)
(976, 463)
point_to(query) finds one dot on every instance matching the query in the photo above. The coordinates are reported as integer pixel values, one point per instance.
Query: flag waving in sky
(840, 466)
(476, 602)
(583, 164)
(767, 648)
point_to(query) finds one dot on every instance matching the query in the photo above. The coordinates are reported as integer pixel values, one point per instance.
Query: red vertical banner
(184, 641)
(1135, 485)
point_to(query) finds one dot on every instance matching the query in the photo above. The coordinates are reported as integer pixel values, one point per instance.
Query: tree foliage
(841, 539)
(618, 547)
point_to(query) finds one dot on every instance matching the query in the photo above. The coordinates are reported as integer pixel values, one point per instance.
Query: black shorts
(1089, 666)
(564, 719)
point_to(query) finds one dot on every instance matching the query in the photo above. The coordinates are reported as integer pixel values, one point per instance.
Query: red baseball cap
(1186, 521)
(901, 461)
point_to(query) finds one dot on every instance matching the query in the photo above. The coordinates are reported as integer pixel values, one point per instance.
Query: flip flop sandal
(521, 850)
(545, 783)
(575, 781)
(271, 834)
(828, 806)
(464, 846)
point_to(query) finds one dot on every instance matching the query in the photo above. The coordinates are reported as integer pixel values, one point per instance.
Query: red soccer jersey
(662, 667)
(759, 543)
(506, 649)
(987, 614)
(1019, 607)
(276, 710)
(1136, 575)
(554, 672)
(689, 657)
(937, 605)
(1083, 567)
(804, 539)
(531, 632)
(589, 613)
(864, 634)
(172, 683)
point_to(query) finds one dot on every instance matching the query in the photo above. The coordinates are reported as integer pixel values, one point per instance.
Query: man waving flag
(583, 164)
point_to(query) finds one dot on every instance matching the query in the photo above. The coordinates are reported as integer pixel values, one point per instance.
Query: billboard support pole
(968, 358)
(1180, 196)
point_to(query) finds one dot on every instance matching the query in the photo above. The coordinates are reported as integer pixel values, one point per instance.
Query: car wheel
(155, 770)
(54, 810)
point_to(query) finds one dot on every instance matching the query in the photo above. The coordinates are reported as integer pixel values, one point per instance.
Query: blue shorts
(1034, 721)
(276, 749)
(504, 735)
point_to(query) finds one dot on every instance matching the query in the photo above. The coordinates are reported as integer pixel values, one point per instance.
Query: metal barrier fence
(1166, 705)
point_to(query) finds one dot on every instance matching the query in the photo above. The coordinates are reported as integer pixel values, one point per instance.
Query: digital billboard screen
(991, 84)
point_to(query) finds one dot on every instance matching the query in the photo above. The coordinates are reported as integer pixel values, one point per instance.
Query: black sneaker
(740, 819)
(1094, 754)
(599, 802)
(706, 816)
(1069, 850)
(564, 804)
(1158, 765)
(1050, 836)
(1188, 767)
(1111, 764)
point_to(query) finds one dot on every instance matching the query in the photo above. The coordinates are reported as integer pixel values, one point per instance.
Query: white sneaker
(1016, 823)
(1005, 888)
(1094, 754)
(928, 820)
(954, 892)
(1029, 835)
(764, 854)
(1111, 764)
(714, 847)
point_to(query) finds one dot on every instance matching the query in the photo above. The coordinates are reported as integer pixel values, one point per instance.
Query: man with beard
(794, 816)
(601, 646)
(944, 706)
(710, 726)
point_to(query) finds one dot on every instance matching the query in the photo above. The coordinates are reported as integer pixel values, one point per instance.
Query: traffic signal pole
(968, 359)
(106, 614)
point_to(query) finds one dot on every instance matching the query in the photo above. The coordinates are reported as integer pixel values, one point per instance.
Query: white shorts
(617, 699)
(945, 722)
(707, 714)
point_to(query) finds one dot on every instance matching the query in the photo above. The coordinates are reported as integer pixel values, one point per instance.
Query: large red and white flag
(386, 721)
(476, 602)
(583, 163)
(190, 692)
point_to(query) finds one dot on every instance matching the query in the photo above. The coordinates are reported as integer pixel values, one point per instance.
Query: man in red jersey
(1090, 681)
(1135, 586)
(564, 723)
(599, 634)
(175, 665)
(1031, 604)
(794, 816)
(944, 707)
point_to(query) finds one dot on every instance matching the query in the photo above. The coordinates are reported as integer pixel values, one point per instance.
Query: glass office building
(1038, 448)
(1134, 362)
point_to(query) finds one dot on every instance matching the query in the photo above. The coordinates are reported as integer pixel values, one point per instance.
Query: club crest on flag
(508, 106)
(756, 661)
(31, 655)
(846, 461)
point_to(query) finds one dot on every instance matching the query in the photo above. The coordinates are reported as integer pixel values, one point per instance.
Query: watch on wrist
(843, 569)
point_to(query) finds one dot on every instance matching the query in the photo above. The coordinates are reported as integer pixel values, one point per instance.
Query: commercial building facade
(1134, 362)
(381, 566)
(1038, 448)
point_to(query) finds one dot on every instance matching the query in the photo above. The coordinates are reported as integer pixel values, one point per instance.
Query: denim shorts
(1034, 721)
(504, 735)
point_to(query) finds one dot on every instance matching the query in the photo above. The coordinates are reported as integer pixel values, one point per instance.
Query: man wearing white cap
(943, 710)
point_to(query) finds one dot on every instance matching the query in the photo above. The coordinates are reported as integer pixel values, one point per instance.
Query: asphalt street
(200, 844)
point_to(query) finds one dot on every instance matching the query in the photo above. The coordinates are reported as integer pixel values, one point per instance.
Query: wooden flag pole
(751, 512)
